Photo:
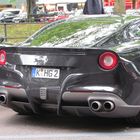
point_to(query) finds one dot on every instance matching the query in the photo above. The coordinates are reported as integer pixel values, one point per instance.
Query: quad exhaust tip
(2, 99)
(108, 106)
(96, 106)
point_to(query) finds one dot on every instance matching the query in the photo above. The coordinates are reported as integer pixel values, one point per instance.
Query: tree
(119, 7)
(30, 4)
(12, 2)
(134, 4)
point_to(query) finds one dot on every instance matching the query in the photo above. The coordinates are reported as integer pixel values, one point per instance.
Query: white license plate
(45, 73)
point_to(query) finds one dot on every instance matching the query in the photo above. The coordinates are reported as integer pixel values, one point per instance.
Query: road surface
(18, 127)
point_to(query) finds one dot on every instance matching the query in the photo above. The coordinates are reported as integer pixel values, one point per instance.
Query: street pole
(5, 32)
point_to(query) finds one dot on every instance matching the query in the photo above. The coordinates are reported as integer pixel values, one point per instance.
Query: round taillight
(2, 57)
(108, 60)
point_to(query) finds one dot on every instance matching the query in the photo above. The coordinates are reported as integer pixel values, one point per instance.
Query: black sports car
(86, 67)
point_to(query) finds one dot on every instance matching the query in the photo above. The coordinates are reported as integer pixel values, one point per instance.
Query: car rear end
(77, 81)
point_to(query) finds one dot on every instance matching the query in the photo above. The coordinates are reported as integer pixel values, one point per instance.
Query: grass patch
(19, 31)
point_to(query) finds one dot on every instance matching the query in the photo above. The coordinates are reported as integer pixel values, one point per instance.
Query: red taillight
(2, 57)
(108, 60)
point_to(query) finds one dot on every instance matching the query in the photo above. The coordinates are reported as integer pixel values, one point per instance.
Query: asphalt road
(17, 127)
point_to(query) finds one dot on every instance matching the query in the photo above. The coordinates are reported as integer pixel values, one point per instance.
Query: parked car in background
(7, 17)
(20, 18)
(56, 15)
(14, 11)
(8, 14)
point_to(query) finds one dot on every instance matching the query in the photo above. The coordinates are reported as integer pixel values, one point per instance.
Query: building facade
(64, 5)
(128, 3)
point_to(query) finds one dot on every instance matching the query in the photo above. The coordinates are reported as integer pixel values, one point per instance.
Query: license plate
(45, 73)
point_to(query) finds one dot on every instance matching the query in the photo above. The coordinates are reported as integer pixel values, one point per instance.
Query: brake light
(108, 60)
(2, 57)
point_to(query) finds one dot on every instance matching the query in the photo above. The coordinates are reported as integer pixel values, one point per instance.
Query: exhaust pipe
(108, 106)
(96, 106)
(2, 99)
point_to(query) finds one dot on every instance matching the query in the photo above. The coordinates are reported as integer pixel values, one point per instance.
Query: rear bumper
(14, 98)
(121, 109)
(76, 103)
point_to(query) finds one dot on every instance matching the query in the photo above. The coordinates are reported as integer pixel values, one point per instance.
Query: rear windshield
(76, 33)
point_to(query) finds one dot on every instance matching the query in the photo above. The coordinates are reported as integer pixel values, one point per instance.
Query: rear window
(73, 33)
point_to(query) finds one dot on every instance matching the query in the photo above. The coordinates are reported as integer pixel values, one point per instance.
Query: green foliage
(12, 1)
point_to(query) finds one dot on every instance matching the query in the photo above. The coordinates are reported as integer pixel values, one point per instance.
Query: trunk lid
(67, 60)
